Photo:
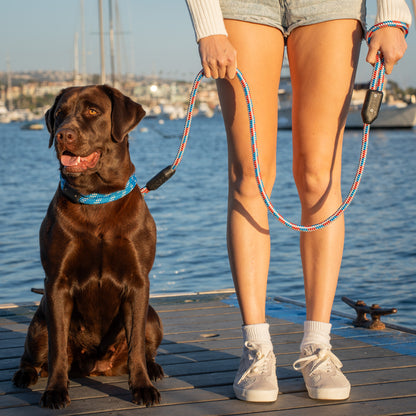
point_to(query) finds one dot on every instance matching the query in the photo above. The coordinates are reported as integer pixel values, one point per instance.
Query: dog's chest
(102, 261)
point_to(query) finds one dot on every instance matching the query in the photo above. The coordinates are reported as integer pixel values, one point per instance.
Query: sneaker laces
(322, 359)
(260, 361)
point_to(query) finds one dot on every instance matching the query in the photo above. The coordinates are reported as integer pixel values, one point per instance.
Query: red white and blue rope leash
(369, 113)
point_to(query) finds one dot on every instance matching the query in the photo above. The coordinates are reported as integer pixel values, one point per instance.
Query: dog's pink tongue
(70, 160)
(84, 162)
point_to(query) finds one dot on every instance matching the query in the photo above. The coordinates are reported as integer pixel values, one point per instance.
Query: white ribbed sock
(258, 333)
(315, 332)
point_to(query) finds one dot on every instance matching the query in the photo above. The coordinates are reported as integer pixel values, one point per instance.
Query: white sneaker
(321, 372)
(256, 379)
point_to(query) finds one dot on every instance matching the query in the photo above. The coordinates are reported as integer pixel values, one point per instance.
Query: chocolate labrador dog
(97, 251)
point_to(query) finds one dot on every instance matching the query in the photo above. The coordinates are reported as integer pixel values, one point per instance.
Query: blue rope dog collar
(95, 199)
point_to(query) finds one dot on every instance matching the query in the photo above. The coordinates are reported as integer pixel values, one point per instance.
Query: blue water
(379, 264)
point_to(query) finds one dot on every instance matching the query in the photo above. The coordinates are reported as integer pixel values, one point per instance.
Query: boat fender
(371, 106)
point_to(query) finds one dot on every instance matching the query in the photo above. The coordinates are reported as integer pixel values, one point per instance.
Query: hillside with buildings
(25, 96)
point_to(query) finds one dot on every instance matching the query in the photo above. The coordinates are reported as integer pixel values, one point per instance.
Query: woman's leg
(322, 59)
(259, 57)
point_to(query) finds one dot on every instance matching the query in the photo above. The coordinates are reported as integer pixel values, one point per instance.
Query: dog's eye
(92, 112)
(58, 112)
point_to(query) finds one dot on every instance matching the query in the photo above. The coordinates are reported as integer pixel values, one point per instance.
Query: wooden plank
(170, 315)
(9, 363)
(11, 352)
(9, 325)
(288, 343)
(12, 333)
(385, 407)
(12, 343)
(203, 325)
(211, 333)
(170, 307)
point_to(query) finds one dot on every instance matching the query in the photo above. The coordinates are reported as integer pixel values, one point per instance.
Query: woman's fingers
(218, 57)
(391, 43)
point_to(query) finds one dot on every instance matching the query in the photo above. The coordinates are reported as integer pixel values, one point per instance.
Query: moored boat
(32, 126)
(390, 117)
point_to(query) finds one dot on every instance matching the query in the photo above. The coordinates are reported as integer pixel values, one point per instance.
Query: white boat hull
(390, 117)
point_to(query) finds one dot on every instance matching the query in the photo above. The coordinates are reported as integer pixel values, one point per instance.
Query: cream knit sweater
(207, 17)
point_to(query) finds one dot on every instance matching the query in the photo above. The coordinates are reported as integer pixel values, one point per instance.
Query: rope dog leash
(369, 113)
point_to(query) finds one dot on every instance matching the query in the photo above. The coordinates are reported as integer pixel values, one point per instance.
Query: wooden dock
(200, 355)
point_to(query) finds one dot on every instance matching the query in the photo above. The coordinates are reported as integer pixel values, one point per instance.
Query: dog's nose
(66, 135)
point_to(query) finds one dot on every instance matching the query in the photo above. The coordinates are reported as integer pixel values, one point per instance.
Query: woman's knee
(243, 182)
(316, 185)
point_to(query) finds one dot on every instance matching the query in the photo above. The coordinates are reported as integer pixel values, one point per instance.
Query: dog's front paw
(25, 377)
(155, 371)
(55, 399)
(146, 395)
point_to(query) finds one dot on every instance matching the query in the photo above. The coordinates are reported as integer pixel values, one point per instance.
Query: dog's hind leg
(154, 335)
(35, 355)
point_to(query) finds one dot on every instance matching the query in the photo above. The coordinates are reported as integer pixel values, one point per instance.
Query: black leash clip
(371, 106)
(160, 178)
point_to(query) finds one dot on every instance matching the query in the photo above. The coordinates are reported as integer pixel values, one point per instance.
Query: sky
(156, 37)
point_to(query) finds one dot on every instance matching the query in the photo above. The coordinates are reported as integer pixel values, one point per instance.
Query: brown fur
(94, 318)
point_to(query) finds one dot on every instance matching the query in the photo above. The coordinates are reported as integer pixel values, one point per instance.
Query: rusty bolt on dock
(375, 311)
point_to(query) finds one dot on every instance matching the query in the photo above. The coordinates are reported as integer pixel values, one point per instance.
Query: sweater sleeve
(393, 10)
(206, 17)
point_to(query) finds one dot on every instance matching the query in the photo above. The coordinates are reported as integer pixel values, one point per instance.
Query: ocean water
(379, 264)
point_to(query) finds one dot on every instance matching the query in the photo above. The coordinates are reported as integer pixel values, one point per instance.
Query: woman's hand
(390, 41)
(218, 57)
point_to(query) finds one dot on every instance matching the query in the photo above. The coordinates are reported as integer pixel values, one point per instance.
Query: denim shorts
(287, 15)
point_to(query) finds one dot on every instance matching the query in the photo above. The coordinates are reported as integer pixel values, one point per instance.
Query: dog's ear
(125, 113)
(50, 118)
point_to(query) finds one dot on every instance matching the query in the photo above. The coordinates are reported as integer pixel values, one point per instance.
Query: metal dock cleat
(375, 311)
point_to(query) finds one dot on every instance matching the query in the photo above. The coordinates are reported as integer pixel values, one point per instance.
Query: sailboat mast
(113, 71)
(118, 47)
(76, 60)
(9, 97)
(83, 56)
(102, 53)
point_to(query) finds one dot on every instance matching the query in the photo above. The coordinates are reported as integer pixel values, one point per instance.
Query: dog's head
(89, 126)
